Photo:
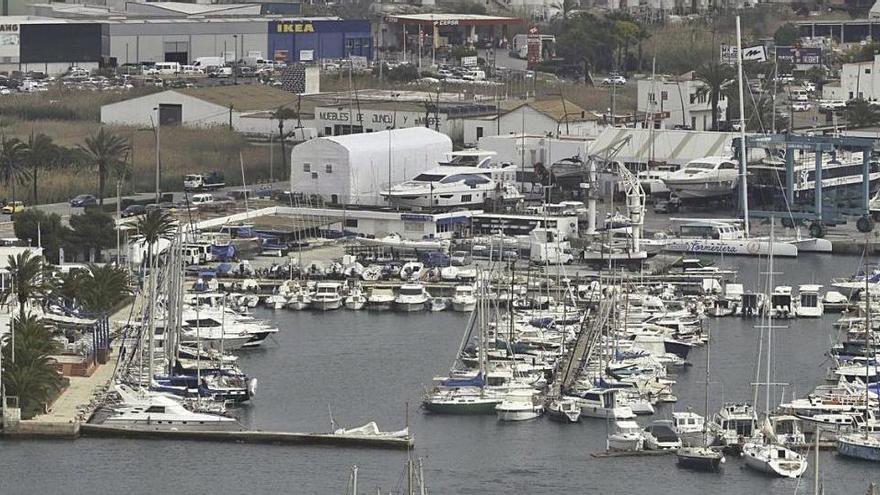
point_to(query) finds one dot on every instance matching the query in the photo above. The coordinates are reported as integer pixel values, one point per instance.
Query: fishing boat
(564, 410)
(809, 304)
(603, 403)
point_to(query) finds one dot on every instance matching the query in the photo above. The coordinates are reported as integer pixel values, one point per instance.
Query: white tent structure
(354, 168)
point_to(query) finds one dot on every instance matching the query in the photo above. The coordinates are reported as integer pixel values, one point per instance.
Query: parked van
(168, 67)
(202, 199)
(799, 95)
(204, 63)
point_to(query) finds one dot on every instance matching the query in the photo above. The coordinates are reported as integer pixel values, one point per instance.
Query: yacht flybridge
(467, 178)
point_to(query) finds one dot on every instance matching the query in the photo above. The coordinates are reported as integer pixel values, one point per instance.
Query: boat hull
(409, 307)
(326, 305)
(732, 247)
(448, 407)
(856, 450)
(698, 462)
(464, 307)
(379, 306)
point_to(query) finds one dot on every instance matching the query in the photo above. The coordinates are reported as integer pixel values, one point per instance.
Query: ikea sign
(294, 27)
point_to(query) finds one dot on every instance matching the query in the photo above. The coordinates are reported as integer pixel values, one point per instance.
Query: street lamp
(155, 126)
(235, 61)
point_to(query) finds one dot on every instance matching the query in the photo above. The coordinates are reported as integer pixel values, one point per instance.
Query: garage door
(177, 51)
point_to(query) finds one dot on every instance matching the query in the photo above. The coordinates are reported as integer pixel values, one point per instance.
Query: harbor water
(363, 366)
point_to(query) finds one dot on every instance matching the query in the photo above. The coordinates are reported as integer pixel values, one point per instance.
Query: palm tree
(861, 114)
(12, 156)
(42, 154)
(714, 76)
(32, 376)
(103, 288)
(154, 225)
(28, 280)
(104, 150)
(282, 114)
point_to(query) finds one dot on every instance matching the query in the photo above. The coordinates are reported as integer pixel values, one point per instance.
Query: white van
(202, 199)
(167, 67)
(799, 95)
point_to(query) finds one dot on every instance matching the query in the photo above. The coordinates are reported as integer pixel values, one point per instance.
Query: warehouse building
(353, 169)
(542, 117)
(245, 108)
(32, 43)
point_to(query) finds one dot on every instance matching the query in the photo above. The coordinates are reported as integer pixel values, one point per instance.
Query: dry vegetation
(184, 150)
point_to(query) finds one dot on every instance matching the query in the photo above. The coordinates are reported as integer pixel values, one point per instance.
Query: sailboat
(459, 394)
(702, 457)
(765, 453)
(863, 445)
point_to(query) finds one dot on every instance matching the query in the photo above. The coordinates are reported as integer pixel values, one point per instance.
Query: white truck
(203, 182)
(547, 248)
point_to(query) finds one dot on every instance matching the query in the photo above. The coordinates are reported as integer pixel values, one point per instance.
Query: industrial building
(32, 43)
(245, 108)
(353, 169)
(679, 101)
(542, 117)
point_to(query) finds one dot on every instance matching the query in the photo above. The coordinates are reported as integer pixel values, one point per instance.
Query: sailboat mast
(769, 317)
(867, 342)
(744, 190)
(706, 409)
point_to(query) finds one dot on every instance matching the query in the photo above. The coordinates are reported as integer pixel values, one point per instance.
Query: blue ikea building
(302, 40)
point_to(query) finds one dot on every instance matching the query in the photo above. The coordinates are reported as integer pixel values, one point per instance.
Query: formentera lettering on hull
(701, 246)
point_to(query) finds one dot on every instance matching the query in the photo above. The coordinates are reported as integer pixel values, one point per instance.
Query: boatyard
(398, 248)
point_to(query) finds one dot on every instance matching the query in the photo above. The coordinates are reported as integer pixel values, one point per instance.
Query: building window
(328, 131)
(651, 98)
(479, 132)
(850, 95)
(351, 222)
(329, 168)
(664, 95)
(307, 167)
(465, 198)
(693, 122)
(867, 71)
(693, 98)
(314, 175)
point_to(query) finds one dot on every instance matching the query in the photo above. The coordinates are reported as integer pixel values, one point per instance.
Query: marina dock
(256, 436)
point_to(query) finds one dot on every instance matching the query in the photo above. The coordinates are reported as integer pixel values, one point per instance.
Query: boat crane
(611, 151)
(635, 203)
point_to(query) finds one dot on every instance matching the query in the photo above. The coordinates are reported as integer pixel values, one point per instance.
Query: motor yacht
(327, 296)
(463, 299)
(380, 298)
(467, 178)
(704, 178)
(627, 437)
(602, 403)
(145, 411)
(809, 303)
(519, 405)
(660, 435)
(411, 297)
(355, 299)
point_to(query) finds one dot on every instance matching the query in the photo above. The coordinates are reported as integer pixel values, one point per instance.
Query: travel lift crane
(632, 188)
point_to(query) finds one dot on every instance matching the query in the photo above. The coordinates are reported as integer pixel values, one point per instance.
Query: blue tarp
(223, 253)
(224, 268)
(476, 381)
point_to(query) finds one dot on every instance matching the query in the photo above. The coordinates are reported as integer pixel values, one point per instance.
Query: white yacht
(411, 297)
(463, 299)
(781, 302)
(690, 428)
(809, 303)
(660, 435)
(468, 178)
(355, 299)
(704, 178)
(627, 437)
(519, 405)
(155, 412)
(380, 298)
(734, 422)
(602, 403)
(718, 236)
(327, 296)
(653, 179)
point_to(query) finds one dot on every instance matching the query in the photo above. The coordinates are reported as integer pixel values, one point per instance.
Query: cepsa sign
(294, 27)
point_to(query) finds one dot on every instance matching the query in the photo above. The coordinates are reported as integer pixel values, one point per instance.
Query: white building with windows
(858, 80)
(687, 106)
(542, 117)
(354, 168)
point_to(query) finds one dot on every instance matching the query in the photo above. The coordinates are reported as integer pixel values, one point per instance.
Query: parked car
(83, 200)
(801, 106)
(614, 80)
(13, 207)
(826, 105)
(133, 210)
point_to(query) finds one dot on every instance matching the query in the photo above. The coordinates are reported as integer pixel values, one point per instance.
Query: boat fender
(252, 387)
(817, 229)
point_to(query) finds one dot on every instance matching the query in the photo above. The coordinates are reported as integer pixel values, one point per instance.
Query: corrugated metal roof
(244, 97)
(556, 109)
(670, 146)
